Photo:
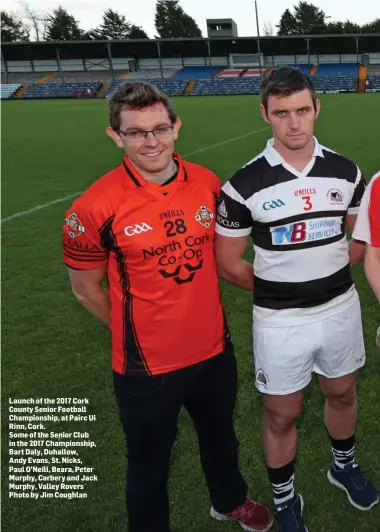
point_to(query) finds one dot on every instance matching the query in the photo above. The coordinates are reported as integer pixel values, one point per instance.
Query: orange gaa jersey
(157, 245)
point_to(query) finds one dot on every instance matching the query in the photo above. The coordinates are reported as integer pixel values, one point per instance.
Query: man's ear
(176, 127)
(317, 108)
(264, 113)
(115, 137)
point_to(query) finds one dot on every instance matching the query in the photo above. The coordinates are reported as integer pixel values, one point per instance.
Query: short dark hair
(137, 95)
(285, 81)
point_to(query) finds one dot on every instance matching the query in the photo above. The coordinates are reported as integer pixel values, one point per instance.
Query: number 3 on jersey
(308, 205)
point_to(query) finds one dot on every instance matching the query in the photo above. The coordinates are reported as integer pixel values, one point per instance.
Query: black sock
(343, 451)
(282, 480)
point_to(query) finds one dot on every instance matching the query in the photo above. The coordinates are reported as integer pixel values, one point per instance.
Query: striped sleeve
(82, 249)
(357, 196)
(233, 217)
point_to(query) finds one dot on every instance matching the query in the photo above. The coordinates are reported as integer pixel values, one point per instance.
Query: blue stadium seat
(7, 90)
(220, 86)
(335, 83)
(303, 67)
(193, 73)
(57, 90)
(337, 69)
(374, 84)
(170, 87)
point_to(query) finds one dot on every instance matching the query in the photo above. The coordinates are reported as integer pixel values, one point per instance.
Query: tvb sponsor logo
(289, 234)
(309, 231)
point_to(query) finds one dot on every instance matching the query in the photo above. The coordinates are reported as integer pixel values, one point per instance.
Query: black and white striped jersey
(297, 224)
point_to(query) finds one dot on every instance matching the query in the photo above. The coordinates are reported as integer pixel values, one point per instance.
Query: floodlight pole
(209, 54)
(110, 60)
(160, 59)
(5, 66)
(258, 36)
(357, 48)
(59, 65)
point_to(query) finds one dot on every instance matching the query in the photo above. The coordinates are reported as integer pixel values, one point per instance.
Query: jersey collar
(275, 159)
(136, 180)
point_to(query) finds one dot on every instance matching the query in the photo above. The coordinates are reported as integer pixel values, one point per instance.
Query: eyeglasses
(159, 133)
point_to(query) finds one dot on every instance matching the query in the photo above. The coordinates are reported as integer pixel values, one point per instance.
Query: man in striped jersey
(294, 200)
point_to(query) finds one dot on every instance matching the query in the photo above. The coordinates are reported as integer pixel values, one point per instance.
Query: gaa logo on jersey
(335, 196)
(75, 225)
(204, 216)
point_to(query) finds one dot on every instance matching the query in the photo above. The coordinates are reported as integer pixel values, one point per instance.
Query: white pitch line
(39, 207)
(200, 150)
(223, 142)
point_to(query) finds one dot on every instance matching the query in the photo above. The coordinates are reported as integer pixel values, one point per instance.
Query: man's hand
(356, 247)
(230, 264)
(87, 288)
(356, 252)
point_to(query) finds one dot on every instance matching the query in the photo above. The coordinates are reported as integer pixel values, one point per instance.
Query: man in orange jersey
(148, 225)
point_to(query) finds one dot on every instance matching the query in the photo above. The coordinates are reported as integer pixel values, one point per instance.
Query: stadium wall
(101, 64)
(179, 63)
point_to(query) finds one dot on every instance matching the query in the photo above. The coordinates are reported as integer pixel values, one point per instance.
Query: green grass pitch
(54, 348)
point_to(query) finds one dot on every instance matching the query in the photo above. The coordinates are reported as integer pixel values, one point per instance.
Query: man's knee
(342, 397)
(281, 414)
(340, 392)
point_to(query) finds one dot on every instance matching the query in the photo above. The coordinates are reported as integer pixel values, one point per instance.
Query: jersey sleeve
(233, 217)
(362, 230)
(82, 249)
(374, 213)
(216, 185)
(357, 196)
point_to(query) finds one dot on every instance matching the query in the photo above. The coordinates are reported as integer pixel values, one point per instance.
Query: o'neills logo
(305, 192)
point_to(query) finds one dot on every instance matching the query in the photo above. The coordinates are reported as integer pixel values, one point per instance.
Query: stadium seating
(303, 67)
(337, 69)
(335, 83)
(82, 77)
(193, 73)
(329, 78)
(253, 72)
(8, 89)
(152, 73)
(231, 73)
(373, 70)
(374, 83)
(26, 77)
(58, 90)
(169, 87)
(219, 86)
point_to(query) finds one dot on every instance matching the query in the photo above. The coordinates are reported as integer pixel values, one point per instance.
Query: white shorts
(285, 357)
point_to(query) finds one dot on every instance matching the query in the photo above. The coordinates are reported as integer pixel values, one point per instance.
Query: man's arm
(356, 247)
(87, 288)
(230, 264)
(372, 269)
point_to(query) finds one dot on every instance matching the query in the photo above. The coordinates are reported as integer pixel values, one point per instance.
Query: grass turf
(54, 348)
